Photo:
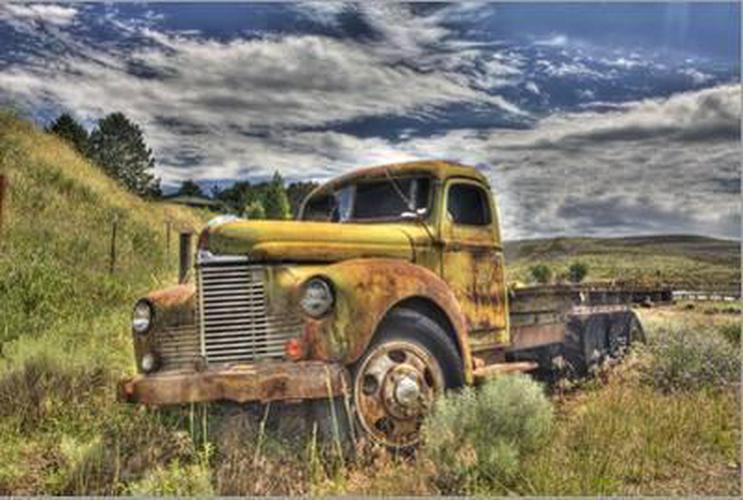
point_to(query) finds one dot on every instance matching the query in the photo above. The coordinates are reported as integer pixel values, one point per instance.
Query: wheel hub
(404, 397)
(394, 390)
(407, 391)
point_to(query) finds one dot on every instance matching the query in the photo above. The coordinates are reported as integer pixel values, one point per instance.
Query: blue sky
(596, 119)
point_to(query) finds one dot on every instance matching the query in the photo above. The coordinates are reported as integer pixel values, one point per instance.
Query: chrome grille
(179, 347)
(233, 315)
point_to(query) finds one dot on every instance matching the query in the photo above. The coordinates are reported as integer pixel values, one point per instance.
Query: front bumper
(270, 381)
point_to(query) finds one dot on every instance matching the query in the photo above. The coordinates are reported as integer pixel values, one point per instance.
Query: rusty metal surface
(437, 169)
(473, 266)
(394, 389)
(493, 370)
(366, 290)
(541, 315)
(539, 334)
(307, 241)
(174, 309)
(242, 383)
(564, 296)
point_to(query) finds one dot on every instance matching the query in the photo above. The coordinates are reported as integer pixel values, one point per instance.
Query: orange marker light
(294, 349)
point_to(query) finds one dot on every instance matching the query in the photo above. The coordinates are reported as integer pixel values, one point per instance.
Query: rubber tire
(412, 326)
(600, 332)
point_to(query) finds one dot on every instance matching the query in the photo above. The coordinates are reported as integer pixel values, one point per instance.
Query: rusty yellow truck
(388, 289)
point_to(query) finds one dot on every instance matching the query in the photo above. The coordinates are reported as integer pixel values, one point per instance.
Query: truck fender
(366, 290)
(171, 306)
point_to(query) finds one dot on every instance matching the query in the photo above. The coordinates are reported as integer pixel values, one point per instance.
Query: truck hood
(315, 241)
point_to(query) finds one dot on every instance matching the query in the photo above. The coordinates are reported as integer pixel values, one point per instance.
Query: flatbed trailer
(581, 324)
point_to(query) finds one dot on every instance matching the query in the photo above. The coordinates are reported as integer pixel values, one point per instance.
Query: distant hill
(680, 260)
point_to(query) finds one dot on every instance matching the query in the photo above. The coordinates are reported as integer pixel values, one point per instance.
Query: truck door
(472, 260)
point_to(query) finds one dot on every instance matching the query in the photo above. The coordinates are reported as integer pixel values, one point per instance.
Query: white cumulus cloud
(58, 15)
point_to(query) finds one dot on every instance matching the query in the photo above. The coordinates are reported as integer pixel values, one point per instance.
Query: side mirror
(416, 215)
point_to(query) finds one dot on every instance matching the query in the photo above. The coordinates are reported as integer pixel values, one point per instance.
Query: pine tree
(297, 192)
(66, 127)
(275, 199)
(117, 146)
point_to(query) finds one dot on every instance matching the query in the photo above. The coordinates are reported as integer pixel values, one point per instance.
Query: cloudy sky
(589, 119)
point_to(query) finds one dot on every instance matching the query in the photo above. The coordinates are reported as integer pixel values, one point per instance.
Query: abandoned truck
(387, 290)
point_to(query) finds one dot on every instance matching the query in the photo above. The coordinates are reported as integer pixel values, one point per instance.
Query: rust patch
(366, 289)
(241, 383)
(173, 307)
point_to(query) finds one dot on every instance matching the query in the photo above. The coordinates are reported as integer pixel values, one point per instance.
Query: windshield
(385, 199)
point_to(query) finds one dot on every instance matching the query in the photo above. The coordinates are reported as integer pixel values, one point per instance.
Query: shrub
(577, 271)
(477, 437)
(541, 273)
(687, 358)
(731, 331)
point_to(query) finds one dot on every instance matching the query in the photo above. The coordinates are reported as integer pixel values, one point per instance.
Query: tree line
(117, 146)
(273, 199)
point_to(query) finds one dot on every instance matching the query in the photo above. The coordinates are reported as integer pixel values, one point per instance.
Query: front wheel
(410, 362)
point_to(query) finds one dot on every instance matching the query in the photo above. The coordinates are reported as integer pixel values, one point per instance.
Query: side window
(468, 204)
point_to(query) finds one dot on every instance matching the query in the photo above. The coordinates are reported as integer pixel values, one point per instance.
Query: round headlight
(317, 299)
(142, 316)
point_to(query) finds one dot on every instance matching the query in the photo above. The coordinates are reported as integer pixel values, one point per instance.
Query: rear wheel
(408, 365)
(593, 338)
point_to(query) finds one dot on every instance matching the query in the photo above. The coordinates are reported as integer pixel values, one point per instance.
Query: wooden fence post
(185, 256)
(114, 226)
(3, 189)
(167, 239)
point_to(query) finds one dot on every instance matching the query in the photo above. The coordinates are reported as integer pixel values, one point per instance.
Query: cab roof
(437, 169)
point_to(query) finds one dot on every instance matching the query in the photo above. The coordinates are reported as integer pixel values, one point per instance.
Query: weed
(685, 357)
(624, 437)
(174, 479)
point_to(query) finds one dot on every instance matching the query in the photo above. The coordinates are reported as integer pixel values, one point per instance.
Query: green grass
(63, 318)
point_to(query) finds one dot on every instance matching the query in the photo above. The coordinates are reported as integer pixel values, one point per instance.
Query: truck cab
(387, 290)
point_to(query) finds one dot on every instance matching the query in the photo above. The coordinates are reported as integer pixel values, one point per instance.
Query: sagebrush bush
(731, 331)
(685, 357)
(478, 436)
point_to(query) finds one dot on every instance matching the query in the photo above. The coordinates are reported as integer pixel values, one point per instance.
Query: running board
(484, 372)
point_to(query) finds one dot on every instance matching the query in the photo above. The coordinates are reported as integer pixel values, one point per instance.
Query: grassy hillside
(63, 316)
(679, 260)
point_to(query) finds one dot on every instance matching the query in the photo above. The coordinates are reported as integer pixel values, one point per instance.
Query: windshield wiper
(408, 202)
